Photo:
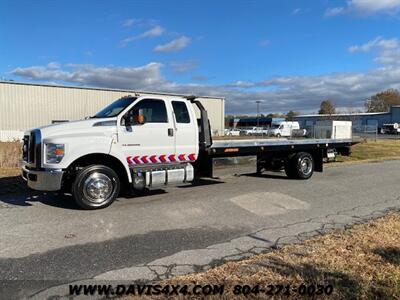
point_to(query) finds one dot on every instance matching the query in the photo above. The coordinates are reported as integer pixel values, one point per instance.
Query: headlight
(54, 153)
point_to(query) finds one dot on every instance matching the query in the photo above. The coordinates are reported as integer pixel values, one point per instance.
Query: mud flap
(318, 160)
(204, 166)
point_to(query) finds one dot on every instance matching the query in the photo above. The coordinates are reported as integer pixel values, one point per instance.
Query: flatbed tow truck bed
(274, 154)
(299, 157)
(258, 146)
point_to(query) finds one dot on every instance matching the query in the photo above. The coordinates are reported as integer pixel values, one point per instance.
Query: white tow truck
(141, 142)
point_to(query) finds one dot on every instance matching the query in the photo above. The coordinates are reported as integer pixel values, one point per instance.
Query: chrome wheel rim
(98, 187)
(306, 166)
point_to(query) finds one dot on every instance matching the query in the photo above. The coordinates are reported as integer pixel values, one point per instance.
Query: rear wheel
(95, 187)
(300, 166)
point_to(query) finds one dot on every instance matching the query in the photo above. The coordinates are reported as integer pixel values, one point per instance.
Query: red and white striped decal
(192, 157)
(157, 159)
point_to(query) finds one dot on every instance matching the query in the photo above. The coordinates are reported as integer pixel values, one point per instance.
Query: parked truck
(283, 129)
(142, 142)
(256, 131)
(393, 128)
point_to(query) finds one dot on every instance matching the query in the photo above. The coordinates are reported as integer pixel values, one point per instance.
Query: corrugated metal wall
(25, 106)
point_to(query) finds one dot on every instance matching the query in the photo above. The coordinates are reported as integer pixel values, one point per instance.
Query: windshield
(275, 126)
(115, 108)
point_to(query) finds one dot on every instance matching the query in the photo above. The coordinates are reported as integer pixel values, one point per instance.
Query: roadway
(47, 241)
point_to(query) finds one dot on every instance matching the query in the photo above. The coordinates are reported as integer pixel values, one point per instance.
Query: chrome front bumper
(43, 180)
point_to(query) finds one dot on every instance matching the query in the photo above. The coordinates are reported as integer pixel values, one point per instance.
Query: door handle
(170, 132)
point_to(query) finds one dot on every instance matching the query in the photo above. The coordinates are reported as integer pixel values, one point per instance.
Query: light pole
(258, 112)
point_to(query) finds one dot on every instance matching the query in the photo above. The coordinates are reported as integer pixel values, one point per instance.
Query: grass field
(360, 263)
(371, 150)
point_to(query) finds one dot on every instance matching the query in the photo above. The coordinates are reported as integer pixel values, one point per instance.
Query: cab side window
(181, 112)
(154, 111)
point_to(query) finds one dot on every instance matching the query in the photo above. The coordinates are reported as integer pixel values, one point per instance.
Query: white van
(283, 128)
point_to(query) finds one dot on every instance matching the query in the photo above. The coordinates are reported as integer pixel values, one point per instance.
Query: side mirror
(131, 120)
(128, 120)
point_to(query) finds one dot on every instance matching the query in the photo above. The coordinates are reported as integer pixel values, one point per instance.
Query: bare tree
(382, 101)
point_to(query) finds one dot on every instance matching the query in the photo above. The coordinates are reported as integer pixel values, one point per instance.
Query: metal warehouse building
(25, 106)
(360, 120)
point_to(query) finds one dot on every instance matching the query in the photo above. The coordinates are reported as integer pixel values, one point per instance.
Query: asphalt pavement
(46, 241)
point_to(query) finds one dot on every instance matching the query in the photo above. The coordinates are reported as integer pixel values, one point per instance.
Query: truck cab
(140, 141)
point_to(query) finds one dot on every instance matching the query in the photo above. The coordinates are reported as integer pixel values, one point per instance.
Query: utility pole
(258, 112)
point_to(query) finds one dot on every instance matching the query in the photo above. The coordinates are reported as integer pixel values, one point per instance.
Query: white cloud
(53, 65)
(377, 43)
(366, 7)
(265, 43)
(374, 6)
(388, 50)
(143, 77)
(129, 22)
(280, 94)
(174, 45)
(200, 78)
(151, 33)
(241, 84)
(334, 11)
(296, 11)
(183, 66)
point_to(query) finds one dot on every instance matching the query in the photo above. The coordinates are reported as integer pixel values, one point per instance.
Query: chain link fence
(370, 132)
(308, 132)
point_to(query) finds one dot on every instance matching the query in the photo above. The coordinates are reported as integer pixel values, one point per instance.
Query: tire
(300, 166)
(278, 135)
(95, 187)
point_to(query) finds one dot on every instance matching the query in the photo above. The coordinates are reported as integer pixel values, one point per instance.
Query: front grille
(32, 147)
(25, 148)
(32, 142)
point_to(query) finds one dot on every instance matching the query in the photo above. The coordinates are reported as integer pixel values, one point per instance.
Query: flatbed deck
(257, 146)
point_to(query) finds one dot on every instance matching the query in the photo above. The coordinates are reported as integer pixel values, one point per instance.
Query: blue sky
(289, 54)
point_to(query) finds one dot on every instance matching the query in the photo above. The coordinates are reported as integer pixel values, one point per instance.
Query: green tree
(327, 108)
(382, 101)
(291, 114)
(275, 115)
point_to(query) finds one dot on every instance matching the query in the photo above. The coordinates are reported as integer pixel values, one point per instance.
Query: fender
(79, 146)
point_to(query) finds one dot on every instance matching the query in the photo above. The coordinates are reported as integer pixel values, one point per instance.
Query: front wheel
(95, 187)
(300, 166)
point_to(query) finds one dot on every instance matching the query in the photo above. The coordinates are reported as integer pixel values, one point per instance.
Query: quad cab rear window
(181, 112)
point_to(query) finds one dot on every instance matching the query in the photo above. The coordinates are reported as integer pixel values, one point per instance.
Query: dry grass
(6, 172)
(371, 150)
(362, 262)
(10, 154)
